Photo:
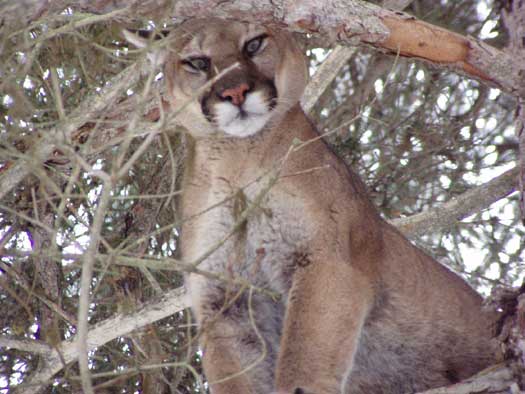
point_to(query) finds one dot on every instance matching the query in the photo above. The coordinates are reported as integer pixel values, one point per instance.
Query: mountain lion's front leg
(240, 334)
(222, 359)
(327, 306)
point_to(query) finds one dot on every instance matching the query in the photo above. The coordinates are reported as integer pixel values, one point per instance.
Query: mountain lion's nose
(236, 95)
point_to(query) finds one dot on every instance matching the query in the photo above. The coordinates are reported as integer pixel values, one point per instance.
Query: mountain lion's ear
(143, 39)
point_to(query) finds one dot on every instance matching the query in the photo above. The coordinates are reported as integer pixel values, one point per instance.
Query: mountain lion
(270, 210)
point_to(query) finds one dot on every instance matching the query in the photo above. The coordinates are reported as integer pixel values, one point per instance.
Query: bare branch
(85, 287)
(324, 76)
(26, 345)
(457, 208)
(333, 64)
(171, 302)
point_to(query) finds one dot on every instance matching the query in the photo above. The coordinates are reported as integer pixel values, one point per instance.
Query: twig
(57, 94)
(85, 286)
(61, 133)
(169, 264)
(332, 65)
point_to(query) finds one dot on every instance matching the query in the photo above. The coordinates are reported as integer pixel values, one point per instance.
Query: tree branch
(333, 64)
(466, 204)
(26, 345)
(86, 279)
(496, 380)
(324, 76)
(88, 110)
(353, 22)
(171, 302)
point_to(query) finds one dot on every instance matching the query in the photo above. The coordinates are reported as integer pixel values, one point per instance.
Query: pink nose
(236, 95)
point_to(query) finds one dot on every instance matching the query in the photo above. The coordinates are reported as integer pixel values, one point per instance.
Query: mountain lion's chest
(259, 234)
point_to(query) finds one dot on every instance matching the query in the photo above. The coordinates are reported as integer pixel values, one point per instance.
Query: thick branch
(324, 76)
(492, 381)
(26, 345)
(458, 208)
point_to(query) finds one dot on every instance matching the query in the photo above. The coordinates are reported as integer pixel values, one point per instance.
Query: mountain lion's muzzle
(240, 103)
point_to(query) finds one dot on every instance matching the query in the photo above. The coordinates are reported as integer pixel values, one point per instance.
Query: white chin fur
(228, 120)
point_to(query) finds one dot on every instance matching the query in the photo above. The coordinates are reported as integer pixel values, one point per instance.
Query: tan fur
(361, 310)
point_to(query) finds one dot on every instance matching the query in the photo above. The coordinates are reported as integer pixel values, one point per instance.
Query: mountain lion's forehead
(204, 35)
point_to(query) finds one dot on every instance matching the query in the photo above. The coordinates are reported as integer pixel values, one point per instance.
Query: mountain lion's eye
(197, 63)
(254, 45)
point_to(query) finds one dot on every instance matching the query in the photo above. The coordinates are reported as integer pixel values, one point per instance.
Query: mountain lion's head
(265, 77)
